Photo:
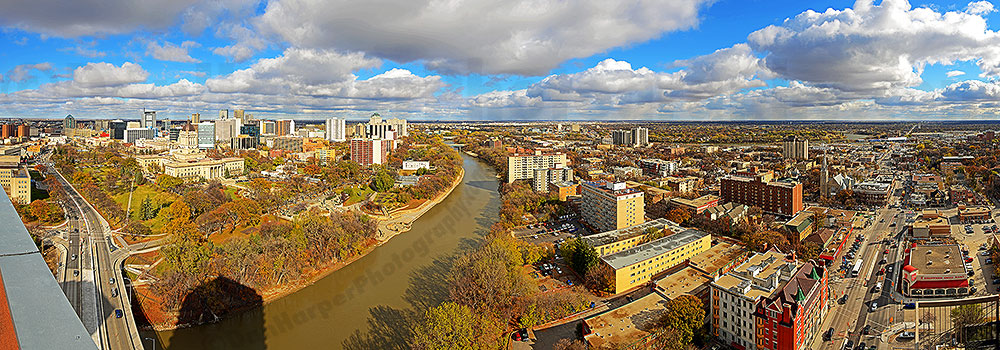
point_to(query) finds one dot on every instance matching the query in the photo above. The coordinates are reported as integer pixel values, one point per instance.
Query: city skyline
(678, 60)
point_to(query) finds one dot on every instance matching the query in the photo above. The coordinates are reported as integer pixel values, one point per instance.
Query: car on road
(866, 330)
(114, 292)
(828, 335)
(118, 313)
(842, 300)
(906, 335)
(861, 346)
(76, 272)
(988, 261)
(111, 280)
(849, 345)
(873, 307)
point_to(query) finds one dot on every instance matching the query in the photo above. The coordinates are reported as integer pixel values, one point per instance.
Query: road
(93, 241)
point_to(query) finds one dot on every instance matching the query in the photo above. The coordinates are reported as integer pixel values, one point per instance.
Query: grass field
(157, 197)
(358, 195)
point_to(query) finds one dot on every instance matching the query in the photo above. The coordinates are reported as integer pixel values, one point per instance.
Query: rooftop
(697, 202)
(42, 316)
(606, 187)
(631, 231)
(759, 276)
(646, 251)
(686, 281)
(937, 259)
(625, 324)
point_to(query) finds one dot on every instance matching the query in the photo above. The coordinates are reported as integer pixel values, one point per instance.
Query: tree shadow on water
(213, 301)
(391, 328)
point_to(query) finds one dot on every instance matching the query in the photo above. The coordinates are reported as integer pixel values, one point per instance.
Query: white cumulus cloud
(524, 37)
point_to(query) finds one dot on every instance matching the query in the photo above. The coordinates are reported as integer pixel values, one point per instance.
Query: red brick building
(777, 197)
(791, 318)
(367, 151)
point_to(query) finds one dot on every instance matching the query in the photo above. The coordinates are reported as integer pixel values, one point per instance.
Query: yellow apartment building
(636, 266)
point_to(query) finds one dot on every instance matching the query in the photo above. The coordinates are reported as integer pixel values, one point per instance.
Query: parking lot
(557, 231)
(976, 238)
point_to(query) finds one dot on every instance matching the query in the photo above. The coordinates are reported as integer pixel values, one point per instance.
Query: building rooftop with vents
(654, 248)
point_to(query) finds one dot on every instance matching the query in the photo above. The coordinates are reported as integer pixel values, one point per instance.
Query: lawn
(358, 195)
(157, 197)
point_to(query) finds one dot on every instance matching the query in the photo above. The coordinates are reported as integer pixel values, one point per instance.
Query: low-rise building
(934, 270)
(973, 214)
(636, 266)
(872, 193)
(414, 165)
(205, 169)
(564, 190)
(685, 184)
(626, 172)
(657, 167)
(938, 227)
(614, 241)
(697, 205)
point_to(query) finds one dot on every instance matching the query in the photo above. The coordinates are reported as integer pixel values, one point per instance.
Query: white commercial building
(131, 135)
(416, 164)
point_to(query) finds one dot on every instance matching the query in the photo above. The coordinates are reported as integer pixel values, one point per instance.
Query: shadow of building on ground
(220, 299)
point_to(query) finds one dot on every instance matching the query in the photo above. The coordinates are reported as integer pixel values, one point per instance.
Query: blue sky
(479, 59)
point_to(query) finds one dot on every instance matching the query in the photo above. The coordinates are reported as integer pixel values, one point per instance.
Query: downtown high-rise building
(336, 129)
(284, 127)
(69, 122)
(206, 135)
(148, 120)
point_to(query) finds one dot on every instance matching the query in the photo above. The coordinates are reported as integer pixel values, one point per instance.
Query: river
(361, 306)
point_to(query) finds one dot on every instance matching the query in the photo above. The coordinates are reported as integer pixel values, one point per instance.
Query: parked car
(907, 335)
(873, 307)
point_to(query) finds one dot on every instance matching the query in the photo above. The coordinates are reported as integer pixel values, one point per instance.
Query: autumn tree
(447, 326)
(678, 215)
(40, 210)
(601, 278)
(382, 182)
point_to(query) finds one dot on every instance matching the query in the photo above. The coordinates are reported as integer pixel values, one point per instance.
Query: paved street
(97, 298)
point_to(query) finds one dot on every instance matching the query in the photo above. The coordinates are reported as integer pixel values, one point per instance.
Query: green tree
(684, 315)
(964, 316)
(383, 181)
(580, 254)
(146, 210)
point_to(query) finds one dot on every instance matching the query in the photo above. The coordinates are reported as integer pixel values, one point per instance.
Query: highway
(115, 332)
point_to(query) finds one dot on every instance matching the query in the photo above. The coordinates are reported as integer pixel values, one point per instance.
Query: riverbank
(400, 222)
